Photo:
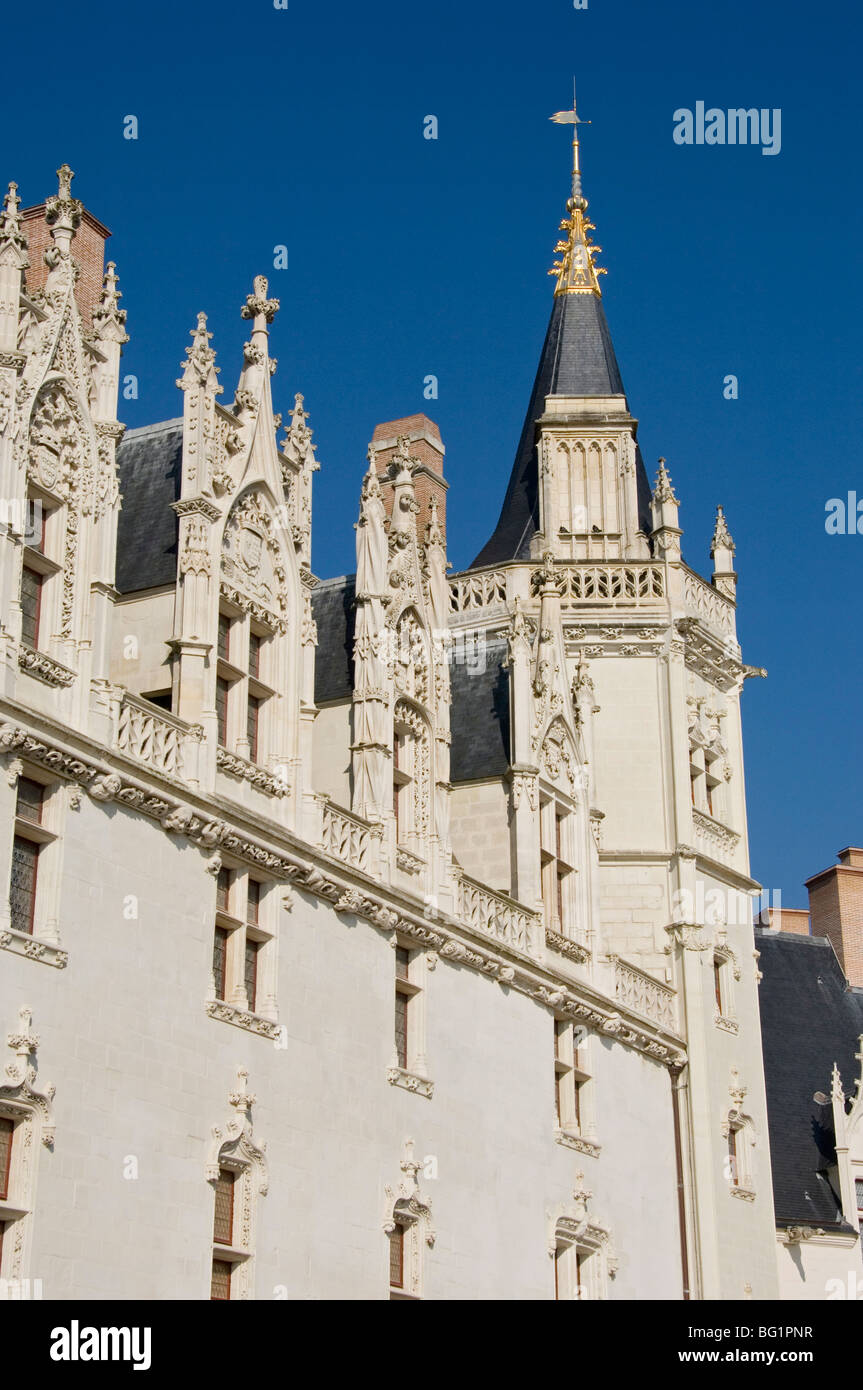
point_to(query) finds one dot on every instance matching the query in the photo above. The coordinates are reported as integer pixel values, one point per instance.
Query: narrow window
(858, 1185)
(717, 982)
(220, 1286)
(7, 1129)
(253, 902)
(222, 687)
(403, 997)
(252, 719)
(397, 1258)
(22, 891)
(254, 655)
(220, 961)
(31, 605)
(251, 972)
(224, 643)
(223, 1220)
(223, 890)
(732, 1158)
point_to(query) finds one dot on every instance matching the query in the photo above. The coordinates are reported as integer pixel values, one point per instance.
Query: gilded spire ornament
(576, 271)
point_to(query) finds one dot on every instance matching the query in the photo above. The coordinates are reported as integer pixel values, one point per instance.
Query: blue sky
(407, 257)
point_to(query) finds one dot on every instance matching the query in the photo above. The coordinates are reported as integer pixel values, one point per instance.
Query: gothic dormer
(58, 407)
(244, 638)
(401, 698)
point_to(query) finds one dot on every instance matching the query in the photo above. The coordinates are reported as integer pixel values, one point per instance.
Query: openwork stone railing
(621, 582)
(645, 995)
(349, 839)
(481, 590)
(151, 735)
(712, 837)
(497, 916)
(703, 600)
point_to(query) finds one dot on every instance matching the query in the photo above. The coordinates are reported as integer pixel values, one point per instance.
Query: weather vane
(572, 118)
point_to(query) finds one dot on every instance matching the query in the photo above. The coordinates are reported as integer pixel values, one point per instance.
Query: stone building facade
(376, 937)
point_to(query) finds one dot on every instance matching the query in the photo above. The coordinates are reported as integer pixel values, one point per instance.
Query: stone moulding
(45, 668)
(409, 1081)
(564, 947)
(244, 771)
(298, 867)
(241, 1018)
(22, 944)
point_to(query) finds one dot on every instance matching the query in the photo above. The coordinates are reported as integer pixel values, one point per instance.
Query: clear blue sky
(303, 126)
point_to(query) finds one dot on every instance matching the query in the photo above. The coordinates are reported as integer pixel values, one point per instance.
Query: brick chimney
(787, 919)
(424, 444)
(836, 909)
(88, 249)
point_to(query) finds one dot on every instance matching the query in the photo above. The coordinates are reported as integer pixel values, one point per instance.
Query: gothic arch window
(26, 1124)
(252, 656)
(411, 777)
(409, 1231)
(726, 969)
(558, 831)
(62, 467)
(581, 1250)
(738, 1132)
(237, 1172)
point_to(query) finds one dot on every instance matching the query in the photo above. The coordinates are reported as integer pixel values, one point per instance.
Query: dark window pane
(31, 604)
(220, 1287)
(224, 637)
(397, 1258)
(223, 890)
(222, 709)
(252, 727)
(29, 799)
(401, 1029)
(22, 890)
(223, 1221)
(254, 904)
(251, 972)
(402, 962)
(220, 960)
(6, 1131)
(254, 655)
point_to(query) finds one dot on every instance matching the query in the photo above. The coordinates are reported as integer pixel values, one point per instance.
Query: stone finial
(721, 535)
(11, 231)
(663, 490)
(199, 370)
(62, 211)
(434, 534)
(108, 315)
(258, 308)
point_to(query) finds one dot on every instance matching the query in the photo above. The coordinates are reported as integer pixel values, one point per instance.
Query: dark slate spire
(577, 360)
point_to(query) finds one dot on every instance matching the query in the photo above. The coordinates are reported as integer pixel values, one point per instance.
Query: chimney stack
(836, 910)
(88, 249)
(424, 444)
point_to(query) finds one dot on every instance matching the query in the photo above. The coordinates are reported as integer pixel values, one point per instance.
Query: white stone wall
(479, 828)
(141, 1072)
(139, 647)
(331, 753)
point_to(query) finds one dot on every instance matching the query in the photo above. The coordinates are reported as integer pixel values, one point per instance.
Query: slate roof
(149, 462)
(810, 1018)
(480, 685)
(577, 359)
(479, 714)
(333, 611)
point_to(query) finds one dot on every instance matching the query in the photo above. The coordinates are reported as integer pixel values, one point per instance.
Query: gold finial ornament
(576, 272)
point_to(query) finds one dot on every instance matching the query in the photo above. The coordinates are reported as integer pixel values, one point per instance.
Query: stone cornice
(311, 871)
